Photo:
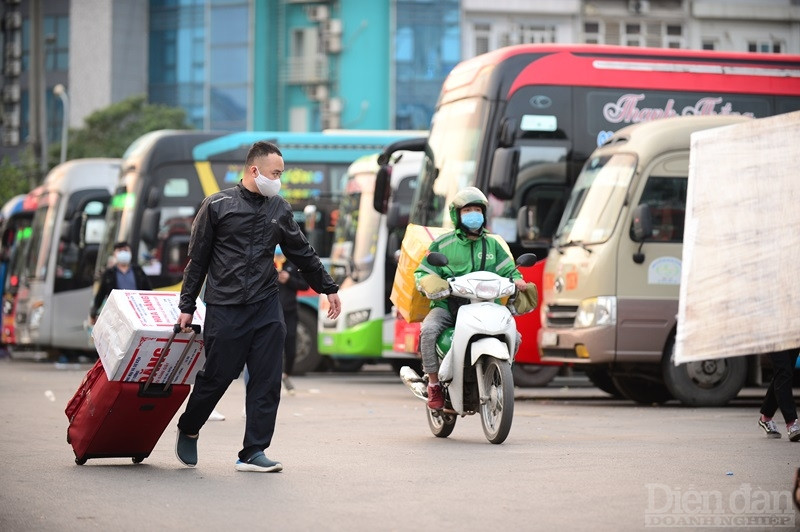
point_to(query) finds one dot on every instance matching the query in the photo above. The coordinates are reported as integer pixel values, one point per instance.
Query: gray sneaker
(770, 428)
(794, 431)
(259, 463)
(186, 449)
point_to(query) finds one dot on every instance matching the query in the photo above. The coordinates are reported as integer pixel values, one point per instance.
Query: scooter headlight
(487, 289)
(596, 311)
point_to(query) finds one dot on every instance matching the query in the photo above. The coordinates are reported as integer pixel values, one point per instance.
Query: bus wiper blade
(578, 243)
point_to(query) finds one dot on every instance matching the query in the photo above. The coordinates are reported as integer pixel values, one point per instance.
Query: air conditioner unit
(13, 50)
(13, 20)
(333, 44)
(317, 13)
(10, 138)
(11, 93)
(639, 7)
(13, 68)
(332, 27)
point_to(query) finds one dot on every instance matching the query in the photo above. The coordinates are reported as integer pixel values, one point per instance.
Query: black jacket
(108, 282)
(232, 247)
(288, 291)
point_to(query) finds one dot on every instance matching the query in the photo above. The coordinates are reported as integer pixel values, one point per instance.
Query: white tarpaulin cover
(740, 283)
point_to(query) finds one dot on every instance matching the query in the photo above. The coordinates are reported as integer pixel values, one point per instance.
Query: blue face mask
(472, 220)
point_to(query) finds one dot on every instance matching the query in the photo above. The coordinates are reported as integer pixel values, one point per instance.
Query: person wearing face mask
(468, 248)
(232, 248)
(123, 275)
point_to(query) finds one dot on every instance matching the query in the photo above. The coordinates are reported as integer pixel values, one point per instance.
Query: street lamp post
(61, 92)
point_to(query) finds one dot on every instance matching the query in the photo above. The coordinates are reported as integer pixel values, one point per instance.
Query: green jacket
(464, 256)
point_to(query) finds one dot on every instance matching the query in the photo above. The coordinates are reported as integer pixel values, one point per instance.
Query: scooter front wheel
(497, 411)
(441, 424)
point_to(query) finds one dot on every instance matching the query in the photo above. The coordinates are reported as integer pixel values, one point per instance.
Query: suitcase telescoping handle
(175, 330)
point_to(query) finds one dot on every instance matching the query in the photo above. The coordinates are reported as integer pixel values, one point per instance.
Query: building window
(592, 32)
(765, 46)
(482, 38)
(56, 43)
(709, 44)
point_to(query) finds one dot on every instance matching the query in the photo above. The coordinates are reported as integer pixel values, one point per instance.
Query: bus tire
(706, 382)
(533, 375)
(641, 389)
(599, 376)
(307, 358)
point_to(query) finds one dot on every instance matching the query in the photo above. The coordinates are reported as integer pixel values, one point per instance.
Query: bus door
(647, 292)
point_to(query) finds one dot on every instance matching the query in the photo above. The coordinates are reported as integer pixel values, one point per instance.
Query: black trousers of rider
(236, 335)
(779, 394)
(290, 350)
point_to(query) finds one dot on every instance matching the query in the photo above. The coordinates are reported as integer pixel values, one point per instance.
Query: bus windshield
(356, 237)
(596, 200)
(43, 224)
(456, 136)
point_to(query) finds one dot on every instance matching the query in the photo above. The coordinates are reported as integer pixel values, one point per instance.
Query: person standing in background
(123, 275)
(289, 283)
(779, 395)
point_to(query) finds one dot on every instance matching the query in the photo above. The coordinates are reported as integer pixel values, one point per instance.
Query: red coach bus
(519, 122)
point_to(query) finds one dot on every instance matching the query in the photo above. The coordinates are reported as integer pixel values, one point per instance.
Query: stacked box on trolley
(146, 366)
(133, 328)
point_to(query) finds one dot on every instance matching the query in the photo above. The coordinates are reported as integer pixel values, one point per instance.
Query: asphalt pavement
(358, 456)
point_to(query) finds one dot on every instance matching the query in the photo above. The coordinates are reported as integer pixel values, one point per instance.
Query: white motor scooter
(475, 370)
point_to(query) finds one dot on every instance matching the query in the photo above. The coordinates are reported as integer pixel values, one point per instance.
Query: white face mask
(268, 187)
(124, 257)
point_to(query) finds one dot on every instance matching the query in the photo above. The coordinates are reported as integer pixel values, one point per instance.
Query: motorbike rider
(468, 248)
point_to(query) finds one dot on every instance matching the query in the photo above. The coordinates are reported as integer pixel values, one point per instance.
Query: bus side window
(666, 197)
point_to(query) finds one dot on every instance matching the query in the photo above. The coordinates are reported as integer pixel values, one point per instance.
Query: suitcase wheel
(137, 459)
(80, 461)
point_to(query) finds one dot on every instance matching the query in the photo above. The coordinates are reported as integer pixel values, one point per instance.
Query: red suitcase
(111, 419)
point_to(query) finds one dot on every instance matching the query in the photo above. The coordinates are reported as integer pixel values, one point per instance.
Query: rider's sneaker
(259, 464)
(770, 428)
(794, 431)
(435, 396)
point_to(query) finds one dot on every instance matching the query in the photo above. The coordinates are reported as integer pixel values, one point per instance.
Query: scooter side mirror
(526, 259)
(437, 259)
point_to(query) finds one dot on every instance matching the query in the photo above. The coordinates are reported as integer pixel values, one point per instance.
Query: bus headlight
(596, 311)
(354, 318)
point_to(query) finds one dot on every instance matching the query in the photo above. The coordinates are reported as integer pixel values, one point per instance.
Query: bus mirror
(527, 229)
(150, 223)
(503, 177)
(380, 201)
(396, 217)
(508, 132)
(71, 232)
(642, 223)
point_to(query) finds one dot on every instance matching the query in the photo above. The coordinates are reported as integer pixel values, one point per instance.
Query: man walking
(231, 247)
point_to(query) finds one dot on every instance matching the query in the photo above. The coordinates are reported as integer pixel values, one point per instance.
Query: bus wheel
(307, 357)
(641, 389)
(600, 377)
(706, 382)
(533, 375)
(413, 363)
(346, 365)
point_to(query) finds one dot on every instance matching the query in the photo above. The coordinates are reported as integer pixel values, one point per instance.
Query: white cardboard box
(132, 329)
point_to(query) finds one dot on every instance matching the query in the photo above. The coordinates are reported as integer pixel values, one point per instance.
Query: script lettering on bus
(626, 109)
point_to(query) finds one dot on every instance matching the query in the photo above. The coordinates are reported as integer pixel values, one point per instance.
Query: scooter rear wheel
(441, 424)
(497, 412)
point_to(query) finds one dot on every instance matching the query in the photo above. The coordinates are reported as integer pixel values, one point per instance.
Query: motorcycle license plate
(549, 339)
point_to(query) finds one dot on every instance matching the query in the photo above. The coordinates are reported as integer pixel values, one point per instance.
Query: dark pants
(236, 335)
(290, 350)
(779, 394)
